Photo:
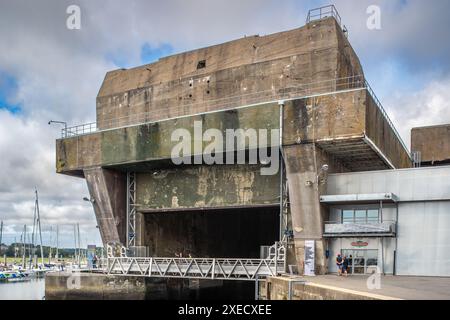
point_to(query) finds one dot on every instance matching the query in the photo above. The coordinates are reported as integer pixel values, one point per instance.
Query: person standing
(339, 262)
(345, 266)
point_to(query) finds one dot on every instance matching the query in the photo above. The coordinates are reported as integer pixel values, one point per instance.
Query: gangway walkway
(200, 268)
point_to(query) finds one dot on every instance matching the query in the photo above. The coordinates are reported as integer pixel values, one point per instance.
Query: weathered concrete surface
(108, 195)
(152, 142)
(277, 288)
(383, 136)
(306, 184)
(433, 143)
(338, 123)
(174, 86)
(192, 187)
(89, 286)
(398, 287)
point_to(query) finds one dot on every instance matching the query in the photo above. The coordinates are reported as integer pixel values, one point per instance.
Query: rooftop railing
(326, 12)
(294, 92)
(216, 105)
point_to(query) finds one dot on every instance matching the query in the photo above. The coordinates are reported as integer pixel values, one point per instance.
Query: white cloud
(427, 107)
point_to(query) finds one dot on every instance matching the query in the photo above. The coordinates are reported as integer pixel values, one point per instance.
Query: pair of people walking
(342, 264)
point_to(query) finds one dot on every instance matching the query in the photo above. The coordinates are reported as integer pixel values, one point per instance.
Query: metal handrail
(363, 221)
(196, 268)
(383, 111)
(326, 12)
(79, 130)
(287, 93)
(323, 12)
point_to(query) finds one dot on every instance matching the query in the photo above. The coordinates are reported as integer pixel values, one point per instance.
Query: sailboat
(30, 270)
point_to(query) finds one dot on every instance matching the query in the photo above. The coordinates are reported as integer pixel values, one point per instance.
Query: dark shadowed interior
(229, 233)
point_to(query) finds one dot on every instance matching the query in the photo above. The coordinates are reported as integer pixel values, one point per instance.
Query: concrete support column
(140, 229)
(303, 163)
(107, 189)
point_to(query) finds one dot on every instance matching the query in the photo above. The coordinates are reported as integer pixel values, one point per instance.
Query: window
(373, 216)
(360, 216)
(348, 216)
(201, 64)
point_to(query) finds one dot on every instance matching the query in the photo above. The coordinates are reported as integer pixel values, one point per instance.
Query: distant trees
(16, 249)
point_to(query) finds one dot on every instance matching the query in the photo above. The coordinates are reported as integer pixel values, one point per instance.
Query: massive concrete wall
(205, 187)
(334, 117)
(108, 196)
(380, 132)
(306, 183)
(433, 143)
(251, 69)
(152, 141)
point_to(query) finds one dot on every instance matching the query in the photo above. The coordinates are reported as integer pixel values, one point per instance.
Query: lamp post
(60, 122)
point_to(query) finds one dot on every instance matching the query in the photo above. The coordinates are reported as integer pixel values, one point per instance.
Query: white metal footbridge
(200, 268)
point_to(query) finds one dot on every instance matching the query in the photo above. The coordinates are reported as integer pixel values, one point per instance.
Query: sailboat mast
(39, 226)
(79, 245)
(32, 246)
(57, 242)
(1, 236)
(24, 248)
(75, 239)
(50, 247)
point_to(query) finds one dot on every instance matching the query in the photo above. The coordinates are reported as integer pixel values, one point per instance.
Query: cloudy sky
(50, 72)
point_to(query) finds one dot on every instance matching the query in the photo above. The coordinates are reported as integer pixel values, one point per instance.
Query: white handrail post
(276, 258)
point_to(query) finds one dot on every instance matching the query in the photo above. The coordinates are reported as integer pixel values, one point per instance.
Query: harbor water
(32, 289)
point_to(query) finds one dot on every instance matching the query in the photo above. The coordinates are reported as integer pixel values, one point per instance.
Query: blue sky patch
(119, 59)
(8, 89)
(151, 54)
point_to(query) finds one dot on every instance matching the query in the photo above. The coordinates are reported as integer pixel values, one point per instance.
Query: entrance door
(361, 261)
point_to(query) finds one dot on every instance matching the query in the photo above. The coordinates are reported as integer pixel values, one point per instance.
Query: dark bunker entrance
(212, 233)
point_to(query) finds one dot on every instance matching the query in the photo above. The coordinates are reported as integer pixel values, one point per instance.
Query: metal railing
(383, 111)
(79, 130)
(326, 12)
(200, 268)
(299, 91)
(361, 221)
(360, 226)
(195, 268)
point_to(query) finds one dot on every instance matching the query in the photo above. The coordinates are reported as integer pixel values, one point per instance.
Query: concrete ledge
(278, 288)
(90, 286)
(345, 294)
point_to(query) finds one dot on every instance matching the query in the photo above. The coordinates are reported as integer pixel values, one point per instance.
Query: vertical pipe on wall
(396, 240)
(281, 104)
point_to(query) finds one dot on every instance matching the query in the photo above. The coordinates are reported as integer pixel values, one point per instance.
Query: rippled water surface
(24, 290)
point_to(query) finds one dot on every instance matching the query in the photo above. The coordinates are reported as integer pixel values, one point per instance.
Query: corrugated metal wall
(424, 239)
(423, 247)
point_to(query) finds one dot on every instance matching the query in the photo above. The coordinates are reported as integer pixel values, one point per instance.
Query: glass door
(361, 261)
(372, 261)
